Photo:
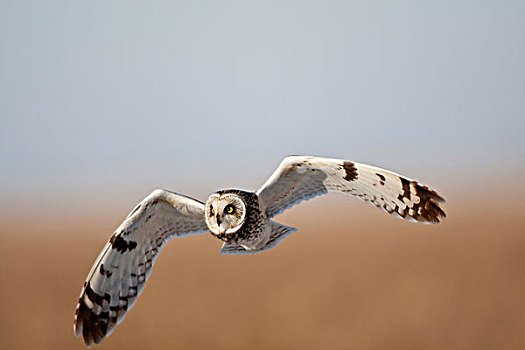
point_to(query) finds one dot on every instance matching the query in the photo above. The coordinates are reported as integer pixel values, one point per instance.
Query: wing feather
(300, 178)
(124, 264)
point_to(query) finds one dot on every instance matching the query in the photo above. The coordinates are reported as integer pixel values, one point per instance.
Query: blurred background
(102, 102)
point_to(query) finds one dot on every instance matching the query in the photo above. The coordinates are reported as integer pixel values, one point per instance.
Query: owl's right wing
(120, 271)
(300, 178)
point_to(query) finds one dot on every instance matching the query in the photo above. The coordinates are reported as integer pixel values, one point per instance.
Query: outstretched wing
(299, 178)
(120, 271)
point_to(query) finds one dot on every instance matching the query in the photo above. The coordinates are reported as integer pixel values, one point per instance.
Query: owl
(241, 219)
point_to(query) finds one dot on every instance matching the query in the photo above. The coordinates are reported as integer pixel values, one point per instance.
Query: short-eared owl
(242, 220)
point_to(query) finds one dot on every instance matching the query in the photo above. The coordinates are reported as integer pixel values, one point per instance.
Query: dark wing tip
(432, 212)
(427, 192)
(94, 327)
(429, 209)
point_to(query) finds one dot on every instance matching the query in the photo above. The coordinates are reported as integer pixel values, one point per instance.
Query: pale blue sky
(141, 94)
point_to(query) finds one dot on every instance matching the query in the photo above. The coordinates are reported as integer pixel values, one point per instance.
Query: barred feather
(300, 178)
(122, 268)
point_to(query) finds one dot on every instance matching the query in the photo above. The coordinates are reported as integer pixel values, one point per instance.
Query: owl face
(225, 213)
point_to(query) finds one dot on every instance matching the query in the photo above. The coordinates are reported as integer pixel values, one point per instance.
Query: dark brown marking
(428, 209)
(121, 245)
(351, 171)
(104, 272)
(402, 213)
(406, 189)
(96, 298)
(382, 179)
(94, 327)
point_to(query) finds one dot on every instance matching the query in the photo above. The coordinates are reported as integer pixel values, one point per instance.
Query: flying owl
(241, 219)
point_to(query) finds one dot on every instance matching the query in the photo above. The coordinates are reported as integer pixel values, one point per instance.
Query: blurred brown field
(349, 278)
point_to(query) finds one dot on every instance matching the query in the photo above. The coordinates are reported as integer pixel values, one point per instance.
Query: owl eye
(230, 209)
(212, 211)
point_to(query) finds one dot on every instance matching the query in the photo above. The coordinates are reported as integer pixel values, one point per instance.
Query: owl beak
(219, 221)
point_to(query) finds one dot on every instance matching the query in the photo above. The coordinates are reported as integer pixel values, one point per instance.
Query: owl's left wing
(300, 178)
(120, 271)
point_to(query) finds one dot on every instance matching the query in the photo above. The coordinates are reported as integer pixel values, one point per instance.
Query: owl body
(246, 229)
(241, 219)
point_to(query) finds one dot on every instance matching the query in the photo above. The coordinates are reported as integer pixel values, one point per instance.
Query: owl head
(225, 214)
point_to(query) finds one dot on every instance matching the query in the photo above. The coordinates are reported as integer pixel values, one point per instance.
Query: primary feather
(300, 178)
(120, 271)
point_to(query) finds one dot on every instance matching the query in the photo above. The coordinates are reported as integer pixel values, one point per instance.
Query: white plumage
(241, 219)
(299, 178)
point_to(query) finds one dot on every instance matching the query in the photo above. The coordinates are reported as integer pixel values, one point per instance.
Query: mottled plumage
(239, 218)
